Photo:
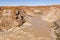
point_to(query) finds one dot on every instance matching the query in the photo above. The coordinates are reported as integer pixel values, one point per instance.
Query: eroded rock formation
(29, 22)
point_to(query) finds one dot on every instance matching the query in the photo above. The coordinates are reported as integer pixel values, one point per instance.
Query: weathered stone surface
(29, 22)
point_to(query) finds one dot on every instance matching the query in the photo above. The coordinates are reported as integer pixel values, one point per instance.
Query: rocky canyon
(30, 22)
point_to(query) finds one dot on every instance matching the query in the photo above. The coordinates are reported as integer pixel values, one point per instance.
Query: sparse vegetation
(56, 27)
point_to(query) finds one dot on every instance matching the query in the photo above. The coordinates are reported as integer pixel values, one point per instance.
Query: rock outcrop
(29, 22)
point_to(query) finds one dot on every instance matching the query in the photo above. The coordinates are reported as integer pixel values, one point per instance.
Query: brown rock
(28, 22)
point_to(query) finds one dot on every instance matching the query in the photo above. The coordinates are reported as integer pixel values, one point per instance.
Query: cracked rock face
(9, 19)
(29, 23)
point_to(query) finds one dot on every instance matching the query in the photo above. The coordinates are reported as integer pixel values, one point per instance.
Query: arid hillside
(30, 22)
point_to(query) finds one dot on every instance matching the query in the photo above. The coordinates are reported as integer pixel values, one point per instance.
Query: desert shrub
(56, 28)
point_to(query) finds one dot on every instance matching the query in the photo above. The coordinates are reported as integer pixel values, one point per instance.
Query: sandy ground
(36, 24)
(38, 30)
